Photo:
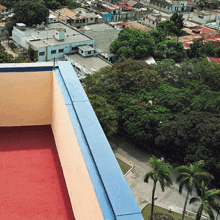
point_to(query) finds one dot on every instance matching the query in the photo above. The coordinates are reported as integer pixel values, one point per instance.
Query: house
(54, 17)
(109, 11)
(52, 41)
(179, 6)
(135, 4)
(91, 17)
(73, 18)
(151, 20)
(55, 157)
(2, 8)
(3, 31)
(120, 26)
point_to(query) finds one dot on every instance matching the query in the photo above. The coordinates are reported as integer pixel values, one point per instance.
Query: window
(53, 51)
(41, 53)
(60, 50)
(153, 22)
(91, 19)
(89, 52)
(74, 48)
(81, 51)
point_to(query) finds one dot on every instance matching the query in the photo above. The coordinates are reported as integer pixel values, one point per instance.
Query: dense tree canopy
(30, 13)
(133, 43)
(51, 4)
(173, 108)
(170, 49)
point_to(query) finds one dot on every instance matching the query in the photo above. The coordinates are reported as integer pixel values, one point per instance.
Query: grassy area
(161, 211)
(124, 166)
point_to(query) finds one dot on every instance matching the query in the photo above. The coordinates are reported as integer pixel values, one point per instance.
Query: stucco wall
(82, 195)
(25, 98)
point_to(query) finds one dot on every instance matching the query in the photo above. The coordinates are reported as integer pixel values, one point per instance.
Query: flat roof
(113, 193)
(103, 35)
(86, 48)
(46, 37)
(92, 63)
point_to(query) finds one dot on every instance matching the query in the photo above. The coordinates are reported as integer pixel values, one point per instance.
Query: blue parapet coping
(114, 195)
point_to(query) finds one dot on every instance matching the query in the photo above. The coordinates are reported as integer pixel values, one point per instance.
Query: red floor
(32, 185)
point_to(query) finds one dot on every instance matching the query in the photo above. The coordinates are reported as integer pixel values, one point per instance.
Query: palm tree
(161, 172)
(190, 176)
(207, 198)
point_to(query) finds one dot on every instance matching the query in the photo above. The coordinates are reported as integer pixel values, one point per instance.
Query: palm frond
(194, 199)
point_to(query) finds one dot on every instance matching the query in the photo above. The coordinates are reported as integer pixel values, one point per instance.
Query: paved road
(143, 191)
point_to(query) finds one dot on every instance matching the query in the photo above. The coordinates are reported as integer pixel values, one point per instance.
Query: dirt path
(8, 49)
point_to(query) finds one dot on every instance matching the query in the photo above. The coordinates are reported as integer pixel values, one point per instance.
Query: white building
(52, 41)
(151, 20)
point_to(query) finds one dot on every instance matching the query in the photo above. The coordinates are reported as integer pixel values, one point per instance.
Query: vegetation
(161, 173)
(124, 166)
(160, 212)
(133, 43)
(51, 4)
(29, 12)
(136, 44)
(191, 176)
(207, 199)
(172, 109)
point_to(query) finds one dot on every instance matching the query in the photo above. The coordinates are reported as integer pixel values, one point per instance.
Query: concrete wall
(25, 98)
(82, 195)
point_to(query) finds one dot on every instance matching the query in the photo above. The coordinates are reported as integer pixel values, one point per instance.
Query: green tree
(207, 199)
(168, 27)
(30, 13)
(191, 176)
(178, 22)
(170, 49)
(161, 172)
(106, 114)
(31, 53)
(133, 43)
(196, 48)
(158, 36)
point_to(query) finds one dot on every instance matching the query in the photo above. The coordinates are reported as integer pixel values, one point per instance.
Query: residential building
(3, 31)
(151, 20)
(52, 41)
(120, 26)
(55, 157)
(107, 9)
(135, 4)
(77, 16)
(2, 8)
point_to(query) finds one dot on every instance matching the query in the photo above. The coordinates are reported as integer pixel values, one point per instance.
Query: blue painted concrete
(113, 193)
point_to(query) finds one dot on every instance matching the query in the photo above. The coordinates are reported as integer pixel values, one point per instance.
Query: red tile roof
(2, 7)
(215, 58)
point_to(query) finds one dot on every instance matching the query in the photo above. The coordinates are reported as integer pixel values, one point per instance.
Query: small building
(2, 8)
(179, 6)
(135, 4)
(86, 51)
(151, 20)
(3, 31)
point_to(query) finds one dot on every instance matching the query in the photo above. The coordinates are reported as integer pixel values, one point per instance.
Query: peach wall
(82, 195)
(25, 98)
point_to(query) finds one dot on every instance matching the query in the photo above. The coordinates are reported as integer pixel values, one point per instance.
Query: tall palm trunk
(152, 205)
(199, 214)
(184, 209)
